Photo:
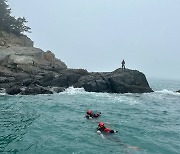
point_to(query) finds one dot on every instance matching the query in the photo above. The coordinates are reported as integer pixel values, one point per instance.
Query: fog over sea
(56, 124)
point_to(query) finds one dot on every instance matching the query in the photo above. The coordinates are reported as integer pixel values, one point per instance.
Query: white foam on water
(167, 92)
(129, 98)
(2, 91)
(72, 90)
(100, 94)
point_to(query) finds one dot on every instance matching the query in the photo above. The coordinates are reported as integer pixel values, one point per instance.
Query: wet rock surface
(27, 70)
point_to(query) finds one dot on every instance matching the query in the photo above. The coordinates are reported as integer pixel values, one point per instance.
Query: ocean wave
(2, 91)
(167, 92)
(111, 98)
(2, 94)
(72, 90)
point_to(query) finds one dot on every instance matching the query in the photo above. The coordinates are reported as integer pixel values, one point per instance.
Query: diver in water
(91, 115)
(102, 129)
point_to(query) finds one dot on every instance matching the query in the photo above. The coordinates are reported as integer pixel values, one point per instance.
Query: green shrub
(9, 23)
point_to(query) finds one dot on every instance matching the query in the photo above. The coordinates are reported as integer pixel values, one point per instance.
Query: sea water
(55, 124)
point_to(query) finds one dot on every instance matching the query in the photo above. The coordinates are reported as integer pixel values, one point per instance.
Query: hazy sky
(98, 34)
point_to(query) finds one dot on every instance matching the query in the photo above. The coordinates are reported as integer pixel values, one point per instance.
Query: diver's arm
(108, 130)
(113, 131)
(96, 115)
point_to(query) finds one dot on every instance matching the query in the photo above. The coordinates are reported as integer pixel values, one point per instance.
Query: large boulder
(17, 52)
(128, 81)
(58, 89)
(64, 78)
(34, 90)
(94, 82)
(28, 59)
(13, 90)
(118, 81)
(7, 82)
(53, 61)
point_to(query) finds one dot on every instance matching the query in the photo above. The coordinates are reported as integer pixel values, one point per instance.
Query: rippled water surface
(56, 123)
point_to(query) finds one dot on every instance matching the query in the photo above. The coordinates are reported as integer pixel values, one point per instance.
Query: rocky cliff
(17, 52)
(7, 39)
(27, 70)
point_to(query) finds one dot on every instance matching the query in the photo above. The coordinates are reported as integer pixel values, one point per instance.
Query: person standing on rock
(123, 64)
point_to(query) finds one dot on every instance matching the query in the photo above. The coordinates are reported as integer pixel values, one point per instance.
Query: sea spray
(56, 123)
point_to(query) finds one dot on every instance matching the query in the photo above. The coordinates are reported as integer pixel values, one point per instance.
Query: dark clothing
(93, 115)
(123, 64)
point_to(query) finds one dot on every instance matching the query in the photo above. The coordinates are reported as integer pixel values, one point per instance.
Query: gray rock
(118, 81)
(22, 65)
(18, 52)
(21, 40)
(28, 59)
(64, 78)
(27, 82)
(13, 90)
(3, 79)
(93, 83)
(36, 90)
(58, 89)
(127, 81)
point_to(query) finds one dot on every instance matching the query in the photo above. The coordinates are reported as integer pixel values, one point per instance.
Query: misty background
(98, 34)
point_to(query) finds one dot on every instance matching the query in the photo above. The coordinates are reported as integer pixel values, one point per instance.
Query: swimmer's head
(101, 124)
(89, 112)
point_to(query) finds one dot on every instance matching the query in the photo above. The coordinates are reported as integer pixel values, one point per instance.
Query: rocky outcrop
(53, 61)
(119, 81)
(27, 58)
(50, 57)
(17, 52)
(28, 71)
(13, 90)
(7, 39)
(36, 90)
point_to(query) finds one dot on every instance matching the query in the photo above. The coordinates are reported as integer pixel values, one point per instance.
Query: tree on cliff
(9, 23)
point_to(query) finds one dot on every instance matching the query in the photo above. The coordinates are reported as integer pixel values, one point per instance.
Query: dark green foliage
(9, 23)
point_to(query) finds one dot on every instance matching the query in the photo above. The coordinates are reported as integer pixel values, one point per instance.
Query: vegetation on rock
(9, 23)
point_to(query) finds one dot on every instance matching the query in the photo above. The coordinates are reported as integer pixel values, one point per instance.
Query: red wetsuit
(106, 130)
(88, 116)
